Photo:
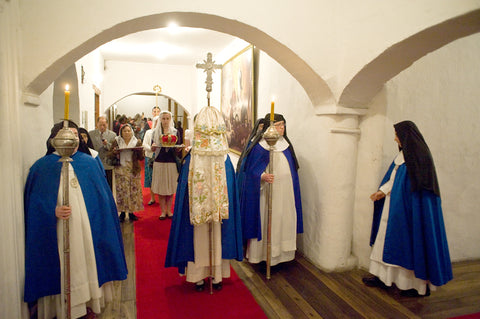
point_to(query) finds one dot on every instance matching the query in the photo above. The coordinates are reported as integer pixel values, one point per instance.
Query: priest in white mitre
(206, 197)
(96, 246)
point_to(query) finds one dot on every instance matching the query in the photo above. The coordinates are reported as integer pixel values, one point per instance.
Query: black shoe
(373, 281)
(121, 218)
(132, 217)
(414, 293)
(162, 217)
(218, 286)
(200, 287)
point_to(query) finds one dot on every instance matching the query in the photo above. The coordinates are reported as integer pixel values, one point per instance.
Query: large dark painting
(237, 98)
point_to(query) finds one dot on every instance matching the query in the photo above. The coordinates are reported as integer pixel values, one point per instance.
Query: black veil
(418, 158)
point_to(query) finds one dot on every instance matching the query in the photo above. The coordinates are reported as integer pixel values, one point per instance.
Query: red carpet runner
(472, 316)
(163, 294)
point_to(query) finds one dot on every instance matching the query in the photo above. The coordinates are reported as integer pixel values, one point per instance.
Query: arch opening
(370, 80)
(315, 87)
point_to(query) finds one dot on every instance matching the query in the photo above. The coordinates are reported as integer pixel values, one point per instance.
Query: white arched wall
(439, 93)
(338, 123)
(334, 40)
(176, 81)
(370, 80)
(315, 86)
(330, 42)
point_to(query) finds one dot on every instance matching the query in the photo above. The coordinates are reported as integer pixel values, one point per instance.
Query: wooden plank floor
(300, 290)
(124, 304)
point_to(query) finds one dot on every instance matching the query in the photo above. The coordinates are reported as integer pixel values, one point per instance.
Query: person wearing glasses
(287, 219)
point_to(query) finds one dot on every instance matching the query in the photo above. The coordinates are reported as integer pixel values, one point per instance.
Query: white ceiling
(172, 45)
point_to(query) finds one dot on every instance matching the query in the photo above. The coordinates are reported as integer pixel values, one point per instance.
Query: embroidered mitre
(207, 181)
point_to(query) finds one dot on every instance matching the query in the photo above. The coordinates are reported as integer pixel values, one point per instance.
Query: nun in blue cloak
(255, 135)
(287, 220)
(206, 196)
(96, 245)
(408, 238)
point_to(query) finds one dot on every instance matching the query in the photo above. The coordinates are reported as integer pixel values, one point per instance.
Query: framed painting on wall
(237, 98)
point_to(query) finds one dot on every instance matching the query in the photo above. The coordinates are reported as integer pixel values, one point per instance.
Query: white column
(11, 189)
(334, 223)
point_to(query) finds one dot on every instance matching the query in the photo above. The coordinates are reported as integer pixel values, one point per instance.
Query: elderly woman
(287, 218)
(165, 173)
(96, 246)
(128, 183)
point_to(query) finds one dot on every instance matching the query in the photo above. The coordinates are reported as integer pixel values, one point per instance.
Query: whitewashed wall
(40, 121)
(138, 104)
(124, 78)
(92, 64)
(440, 94)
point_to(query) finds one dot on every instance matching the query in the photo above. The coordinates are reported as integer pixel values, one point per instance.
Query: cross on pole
(209, 66)
(157, 90)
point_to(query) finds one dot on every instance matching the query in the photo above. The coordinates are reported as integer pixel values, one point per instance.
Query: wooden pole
(175, 113)
(271, 136)
(210, 236)
(269, 216)
(66, 241)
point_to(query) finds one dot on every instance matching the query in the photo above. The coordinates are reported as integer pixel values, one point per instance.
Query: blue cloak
(42, 263)
(180, 242)
(415, 237)
(249, 185)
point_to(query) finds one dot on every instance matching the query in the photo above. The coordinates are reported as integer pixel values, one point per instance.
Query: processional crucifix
(157, 88)
(209, 66)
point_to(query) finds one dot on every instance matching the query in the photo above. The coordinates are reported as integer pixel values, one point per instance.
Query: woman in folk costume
(206, 196)
(128, 180)
(408, 235)
(96, 246)
(287, 219)
(149, 158)
(165, 173)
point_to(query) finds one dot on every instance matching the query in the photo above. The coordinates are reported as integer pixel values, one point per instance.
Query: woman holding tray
(128, 183)
(165, 173)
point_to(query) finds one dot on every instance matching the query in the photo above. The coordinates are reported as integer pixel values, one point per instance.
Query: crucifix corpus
(209, 66)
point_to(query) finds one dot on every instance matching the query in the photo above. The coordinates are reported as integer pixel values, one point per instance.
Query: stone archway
(316, 88)
(369, 81)
(179, 111)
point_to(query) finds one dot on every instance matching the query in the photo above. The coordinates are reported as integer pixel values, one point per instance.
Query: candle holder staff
(271, 135)
(69, 208)
(66, 143)
(270, 202)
